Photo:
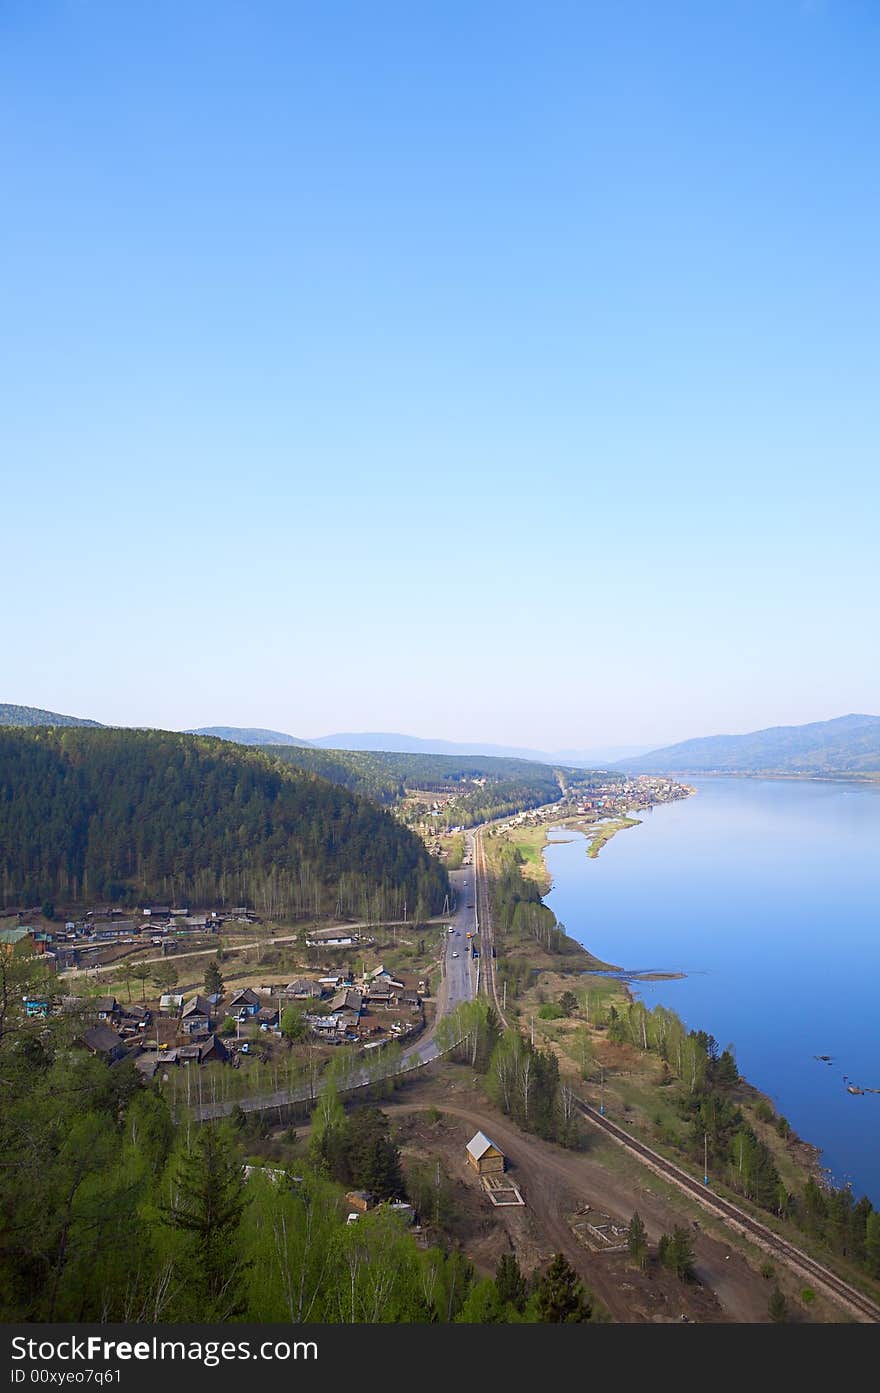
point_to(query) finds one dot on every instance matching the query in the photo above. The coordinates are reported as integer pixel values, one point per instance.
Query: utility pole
(602, 1094)
(705, 1158)
(504, 996)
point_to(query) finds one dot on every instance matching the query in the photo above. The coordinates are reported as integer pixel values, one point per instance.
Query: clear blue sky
(481, 370)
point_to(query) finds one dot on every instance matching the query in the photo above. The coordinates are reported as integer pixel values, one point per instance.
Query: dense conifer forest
(134, 815)
(485, 786)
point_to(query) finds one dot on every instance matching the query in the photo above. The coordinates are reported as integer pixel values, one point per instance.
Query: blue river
(766, 893)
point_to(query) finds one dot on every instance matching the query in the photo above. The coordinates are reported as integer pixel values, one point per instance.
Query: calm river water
(767, 894)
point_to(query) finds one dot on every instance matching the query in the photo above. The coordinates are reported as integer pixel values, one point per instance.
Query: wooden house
(485, 1157)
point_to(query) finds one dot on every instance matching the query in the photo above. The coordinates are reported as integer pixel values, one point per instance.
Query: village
(228, 1026)
(615, 799)
(189, 1014)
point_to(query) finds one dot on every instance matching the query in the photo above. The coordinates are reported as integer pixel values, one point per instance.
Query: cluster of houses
(210, 1028)
(616, 799)
(612, 799)
(78, 941)
(378, 1006)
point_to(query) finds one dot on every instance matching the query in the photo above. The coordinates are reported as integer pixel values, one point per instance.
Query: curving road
(458, 984)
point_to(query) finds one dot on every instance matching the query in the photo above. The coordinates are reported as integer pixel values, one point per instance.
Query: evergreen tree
(214, 978)
(637, 1240)
(725, 1071)
(208, 1200)
(778, 1307)
(510, 1282)
(676, 1252)
(373, 1159)
(483, 1305)
(559, 1296)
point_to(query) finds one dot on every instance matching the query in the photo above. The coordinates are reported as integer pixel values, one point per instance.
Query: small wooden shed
(361, 1200)
(485, 1157)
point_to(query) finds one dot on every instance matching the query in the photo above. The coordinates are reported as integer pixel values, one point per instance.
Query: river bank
(532, 842)
(744, 891)
(616, 1050)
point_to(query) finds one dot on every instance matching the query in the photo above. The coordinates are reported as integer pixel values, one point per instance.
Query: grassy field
(606, 831)
(530, 842)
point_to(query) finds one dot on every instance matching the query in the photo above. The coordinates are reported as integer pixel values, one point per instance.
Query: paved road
(458, 984)
(459, 969)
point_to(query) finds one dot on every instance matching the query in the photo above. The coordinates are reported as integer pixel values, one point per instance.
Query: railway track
(848, 1296)
(484, 924)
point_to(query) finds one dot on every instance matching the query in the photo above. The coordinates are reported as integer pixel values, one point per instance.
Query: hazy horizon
(470, 371)
(612, 750)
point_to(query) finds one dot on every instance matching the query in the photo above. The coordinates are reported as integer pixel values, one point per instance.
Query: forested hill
(33, 716)
(138, 815)
(846, 745)
(485, 786)
(360, 771)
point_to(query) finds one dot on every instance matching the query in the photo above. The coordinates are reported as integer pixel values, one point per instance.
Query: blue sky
(478, 370)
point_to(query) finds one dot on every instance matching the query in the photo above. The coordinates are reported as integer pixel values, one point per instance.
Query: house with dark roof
(195, 1018)
(245, 999)
(103, 1042)
(210, 1051)
(303, 988)
(134, 1018)
(104, 1007)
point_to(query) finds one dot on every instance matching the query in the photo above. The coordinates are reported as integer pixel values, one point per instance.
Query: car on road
(455, 955)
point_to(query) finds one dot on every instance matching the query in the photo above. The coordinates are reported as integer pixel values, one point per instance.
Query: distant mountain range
(246, 736)
(386, 741)
(395, 743)
(845, 745)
